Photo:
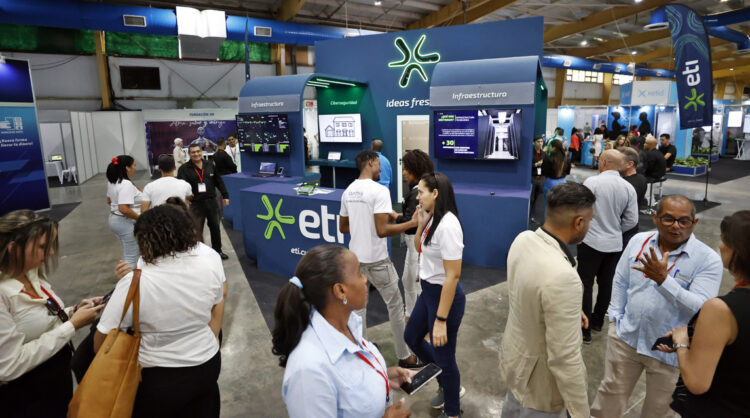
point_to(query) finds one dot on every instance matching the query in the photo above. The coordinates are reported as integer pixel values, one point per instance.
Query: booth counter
(336, 173)
(238, 181)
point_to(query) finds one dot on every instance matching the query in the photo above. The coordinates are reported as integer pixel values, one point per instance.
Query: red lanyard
(200, 175)
(234, 154)
(39, 297)
(644, 246)
(421, 242)
(739, 284)
(383, 375)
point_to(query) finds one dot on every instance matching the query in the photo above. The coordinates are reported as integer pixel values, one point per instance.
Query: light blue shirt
(615, 211)
(385, 171)
(325, 378)
(645, 311)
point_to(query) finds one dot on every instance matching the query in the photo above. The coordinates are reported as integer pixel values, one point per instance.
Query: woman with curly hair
(182, 290)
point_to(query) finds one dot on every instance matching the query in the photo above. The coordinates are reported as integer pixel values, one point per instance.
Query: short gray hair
(629, 154)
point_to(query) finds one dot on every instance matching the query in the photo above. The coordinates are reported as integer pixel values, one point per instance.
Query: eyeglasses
(669, 221)
(55, 309)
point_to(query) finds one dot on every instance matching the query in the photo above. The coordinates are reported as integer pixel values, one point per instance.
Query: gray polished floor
(251, 379)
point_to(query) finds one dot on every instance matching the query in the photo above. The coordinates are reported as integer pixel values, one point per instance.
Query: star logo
(412, 60)
(279, 218)
(694, 100)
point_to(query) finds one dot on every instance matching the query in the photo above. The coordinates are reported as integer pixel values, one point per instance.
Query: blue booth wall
(23, 182)
(366, 58)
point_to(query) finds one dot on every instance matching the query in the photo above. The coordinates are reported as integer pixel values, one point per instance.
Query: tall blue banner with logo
(23, 183)
(692, 66)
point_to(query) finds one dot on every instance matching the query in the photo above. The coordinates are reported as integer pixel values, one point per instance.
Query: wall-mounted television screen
(735, 119)
(264, 133)
(340, 128)
(479, 134)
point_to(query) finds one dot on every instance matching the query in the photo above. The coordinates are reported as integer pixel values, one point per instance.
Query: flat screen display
(478, 134)
(340, 128)
(735, 119)
(264, 133)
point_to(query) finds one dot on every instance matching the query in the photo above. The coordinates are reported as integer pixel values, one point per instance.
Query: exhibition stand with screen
(484, 99)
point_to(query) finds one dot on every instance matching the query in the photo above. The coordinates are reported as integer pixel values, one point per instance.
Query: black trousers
(537, 185)
(208, 210)
(596, 264)
(44, 391)
(167, 392)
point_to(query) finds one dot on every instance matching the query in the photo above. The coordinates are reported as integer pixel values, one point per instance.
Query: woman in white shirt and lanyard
(331, 370)
(440, 306)
(182, 289)
(35, 326)
(124, 205)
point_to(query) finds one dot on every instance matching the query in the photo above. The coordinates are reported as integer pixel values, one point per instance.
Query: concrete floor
(251, 378)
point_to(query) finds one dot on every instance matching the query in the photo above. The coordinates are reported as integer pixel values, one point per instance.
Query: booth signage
(483, 95)
(692, 66)
(270, 104)
(651, 92)
(412, 60)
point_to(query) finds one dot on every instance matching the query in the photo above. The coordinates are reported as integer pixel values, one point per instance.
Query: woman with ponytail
(124, 205)
(331, 371)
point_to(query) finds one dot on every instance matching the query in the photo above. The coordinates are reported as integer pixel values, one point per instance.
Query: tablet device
(430, 372)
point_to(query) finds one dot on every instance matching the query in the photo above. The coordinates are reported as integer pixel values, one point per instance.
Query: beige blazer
(540, 356)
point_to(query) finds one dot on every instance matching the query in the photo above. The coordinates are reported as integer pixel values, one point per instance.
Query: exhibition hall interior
(554, 130)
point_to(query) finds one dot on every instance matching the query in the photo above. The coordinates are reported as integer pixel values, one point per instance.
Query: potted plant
(704, 152)
(690, 166)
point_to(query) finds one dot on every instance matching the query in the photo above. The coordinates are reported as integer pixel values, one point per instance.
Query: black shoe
(587, 338)
(597, 328)
(405, 365)
(223, 256)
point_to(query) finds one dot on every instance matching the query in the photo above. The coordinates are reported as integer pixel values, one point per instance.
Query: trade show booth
(411, 90)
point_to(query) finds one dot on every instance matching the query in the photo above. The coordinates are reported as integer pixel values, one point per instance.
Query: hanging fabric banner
(692, 66)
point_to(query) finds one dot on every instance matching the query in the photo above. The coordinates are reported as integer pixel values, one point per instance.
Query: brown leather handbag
(109, 387)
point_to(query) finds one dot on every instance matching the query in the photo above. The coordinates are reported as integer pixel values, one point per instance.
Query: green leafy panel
(235, 51)
(44, 39)
(134, 44)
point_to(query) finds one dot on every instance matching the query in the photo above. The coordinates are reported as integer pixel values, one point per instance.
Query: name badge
(201, 187)
(539, 171)
(685, 279)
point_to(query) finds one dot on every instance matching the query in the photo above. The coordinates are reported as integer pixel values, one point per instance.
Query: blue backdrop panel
(290, 225)
(23, 183)
(367, 58)
(639, 114)
(239, 181)
(565, 117)
(619, 118)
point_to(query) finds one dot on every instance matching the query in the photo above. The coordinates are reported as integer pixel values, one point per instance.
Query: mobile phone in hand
(420, 379)
(663, 340)
(105, 299)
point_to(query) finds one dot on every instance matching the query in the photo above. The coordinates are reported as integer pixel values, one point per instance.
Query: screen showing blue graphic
(15, 82)
(480, 134)
(264, 133)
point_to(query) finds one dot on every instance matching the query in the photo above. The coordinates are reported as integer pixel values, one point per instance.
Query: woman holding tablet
(440, 307)
(330, 369)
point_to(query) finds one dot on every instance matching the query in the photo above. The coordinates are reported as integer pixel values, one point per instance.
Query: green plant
(706, 150)
(691, 162)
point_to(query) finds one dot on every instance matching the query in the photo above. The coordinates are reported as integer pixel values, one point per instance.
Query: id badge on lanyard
(201, 187)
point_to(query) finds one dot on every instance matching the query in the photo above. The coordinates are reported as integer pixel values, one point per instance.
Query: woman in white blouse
(35, 326)
(182, 289)
(124, 205)
(331, 370)
(440, 306)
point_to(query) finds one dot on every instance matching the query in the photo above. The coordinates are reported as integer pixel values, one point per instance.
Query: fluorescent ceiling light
(633, 52)
(638, 1)
(584, 42)
(731, 69)
(378, 2)
(312, 83)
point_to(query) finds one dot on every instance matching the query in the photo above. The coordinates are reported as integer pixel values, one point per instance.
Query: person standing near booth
(124, 200)
(537, 179)
(204, 180)
(158, 191)
(575, 147)
(366, 214)
(440, 307)
(180, 157)
(233, 149)
(386, 172)
(669, 150)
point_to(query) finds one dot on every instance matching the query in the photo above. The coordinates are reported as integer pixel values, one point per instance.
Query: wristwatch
(677, 346)
(440, 318)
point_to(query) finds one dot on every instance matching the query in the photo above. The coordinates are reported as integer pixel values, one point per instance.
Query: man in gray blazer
(541, 357)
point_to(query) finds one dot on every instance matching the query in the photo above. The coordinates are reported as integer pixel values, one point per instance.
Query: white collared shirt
(447, 243)
(615, 211)
(177, 296)
(324, 376)
(234, 152)
(29, 334)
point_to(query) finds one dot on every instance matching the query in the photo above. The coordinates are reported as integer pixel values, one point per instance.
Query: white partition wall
(134, 137)
(108, 134)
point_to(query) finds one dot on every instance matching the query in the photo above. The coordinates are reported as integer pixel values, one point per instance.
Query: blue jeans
(420, 323)
(123, 228)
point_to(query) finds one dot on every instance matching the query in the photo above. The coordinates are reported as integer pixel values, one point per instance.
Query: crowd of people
(656, 295)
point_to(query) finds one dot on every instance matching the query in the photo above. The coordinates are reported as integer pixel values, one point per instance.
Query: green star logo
(279, 218)
(412, 60)
(694, 100)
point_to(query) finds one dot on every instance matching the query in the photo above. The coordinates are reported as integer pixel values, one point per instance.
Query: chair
(651, 183)
(70, 173)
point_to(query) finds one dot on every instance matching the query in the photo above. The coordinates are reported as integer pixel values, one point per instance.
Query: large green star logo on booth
(412, 60)
(694, 100)
(274, 217)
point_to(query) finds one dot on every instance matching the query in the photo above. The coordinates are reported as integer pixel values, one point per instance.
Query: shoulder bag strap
(134, 298)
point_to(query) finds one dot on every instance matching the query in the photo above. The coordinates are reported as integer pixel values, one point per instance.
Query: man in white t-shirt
(366, 214)
(233, 149)
(158, 191)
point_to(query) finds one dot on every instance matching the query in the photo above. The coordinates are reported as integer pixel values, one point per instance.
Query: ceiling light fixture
(731, 69)
(584, 42)
(638, 1)
(633, 52)
(378, 2)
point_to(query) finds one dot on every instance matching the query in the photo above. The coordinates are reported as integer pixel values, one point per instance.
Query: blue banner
(23, 183)
(692, 66)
